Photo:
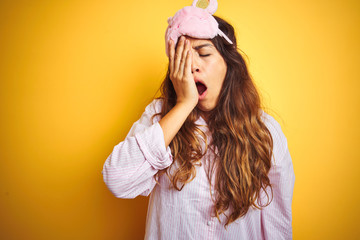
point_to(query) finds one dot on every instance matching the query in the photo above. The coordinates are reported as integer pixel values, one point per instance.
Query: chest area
(200, 190)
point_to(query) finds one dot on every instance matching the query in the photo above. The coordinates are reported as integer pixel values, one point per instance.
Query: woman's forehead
(196, 42)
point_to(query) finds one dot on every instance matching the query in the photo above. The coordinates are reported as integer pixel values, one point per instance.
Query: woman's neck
(205, 115)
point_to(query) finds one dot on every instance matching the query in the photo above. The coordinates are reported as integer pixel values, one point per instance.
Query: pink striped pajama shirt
(187, 214)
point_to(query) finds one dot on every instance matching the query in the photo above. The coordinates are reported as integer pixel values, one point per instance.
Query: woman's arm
(184, 84)
(129, 170)
(276, 218)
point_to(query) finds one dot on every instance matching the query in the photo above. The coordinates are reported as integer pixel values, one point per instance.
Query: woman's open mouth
(201, 88)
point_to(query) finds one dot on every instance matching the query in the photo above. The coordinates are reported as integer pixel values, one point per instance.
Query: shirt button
(209, 223)
(212, 192)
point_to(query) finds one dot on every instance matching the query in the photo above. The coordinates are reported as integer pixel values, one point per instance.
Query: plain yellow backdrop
(75, 75)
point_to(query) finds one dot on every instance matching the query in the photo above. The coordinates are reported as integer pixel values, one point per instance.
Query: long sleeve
(129, 170)
(276, 218)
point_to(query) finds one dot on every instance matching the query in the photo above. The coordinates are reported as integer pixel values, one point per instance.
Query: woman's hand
(185, 88)
(180, 73)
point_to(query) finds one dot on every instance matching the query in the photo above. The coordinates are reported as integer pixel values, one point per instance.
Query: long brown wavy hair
(242, 141)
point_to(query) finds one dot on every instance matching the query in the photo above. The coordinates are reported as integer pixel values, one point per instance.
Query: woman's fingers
(171, 55)
(183, 58)
(180, 72)
(188, 61)
(179, 54)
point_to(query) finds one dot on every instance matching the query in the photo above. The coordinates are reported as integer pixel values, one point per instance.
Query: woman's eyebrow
(203, 45)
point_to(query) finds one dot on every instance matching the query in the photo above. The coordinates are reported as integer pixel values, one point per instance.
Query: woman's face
(209, 70)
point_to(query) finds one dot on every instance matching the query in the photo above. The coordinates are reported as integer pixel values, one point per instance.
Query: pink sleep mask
(195, 21)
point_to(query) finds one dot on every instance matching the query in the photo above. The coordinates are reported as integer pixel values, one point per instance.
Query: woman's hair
(241, 142)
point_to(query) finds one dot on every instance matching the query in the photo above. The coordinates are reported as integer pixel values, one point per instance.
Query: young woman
(215, 165)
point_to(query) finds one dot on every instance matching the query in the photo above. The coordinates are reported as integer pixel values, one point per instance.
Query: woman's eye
(204, 55)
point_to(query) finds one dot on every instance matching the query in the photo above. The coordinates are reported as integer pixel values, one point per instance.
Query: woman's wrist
(187, 105)
(174, 119)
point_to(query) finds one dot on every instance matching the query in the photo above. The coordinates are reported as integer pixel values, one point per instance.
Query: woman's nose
(195, 70)
(194, 65)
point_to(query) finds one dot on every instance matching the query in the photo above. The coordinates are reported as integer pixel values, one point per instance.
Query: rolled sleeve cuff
(152, 144)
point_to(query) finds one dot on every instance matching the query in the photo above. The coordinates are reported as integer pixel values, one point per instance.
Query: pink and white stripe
(128, 172)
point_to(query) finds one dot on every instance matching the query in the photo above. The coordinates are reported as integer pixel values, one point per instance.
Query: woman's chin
(205, 106)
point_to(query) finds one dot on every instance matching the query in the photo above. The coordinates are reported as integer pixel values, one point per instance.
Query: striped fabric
(187, 214)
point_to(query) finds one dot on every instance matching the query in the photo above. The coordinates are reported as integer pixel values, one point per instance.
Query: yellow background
(75, 75)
